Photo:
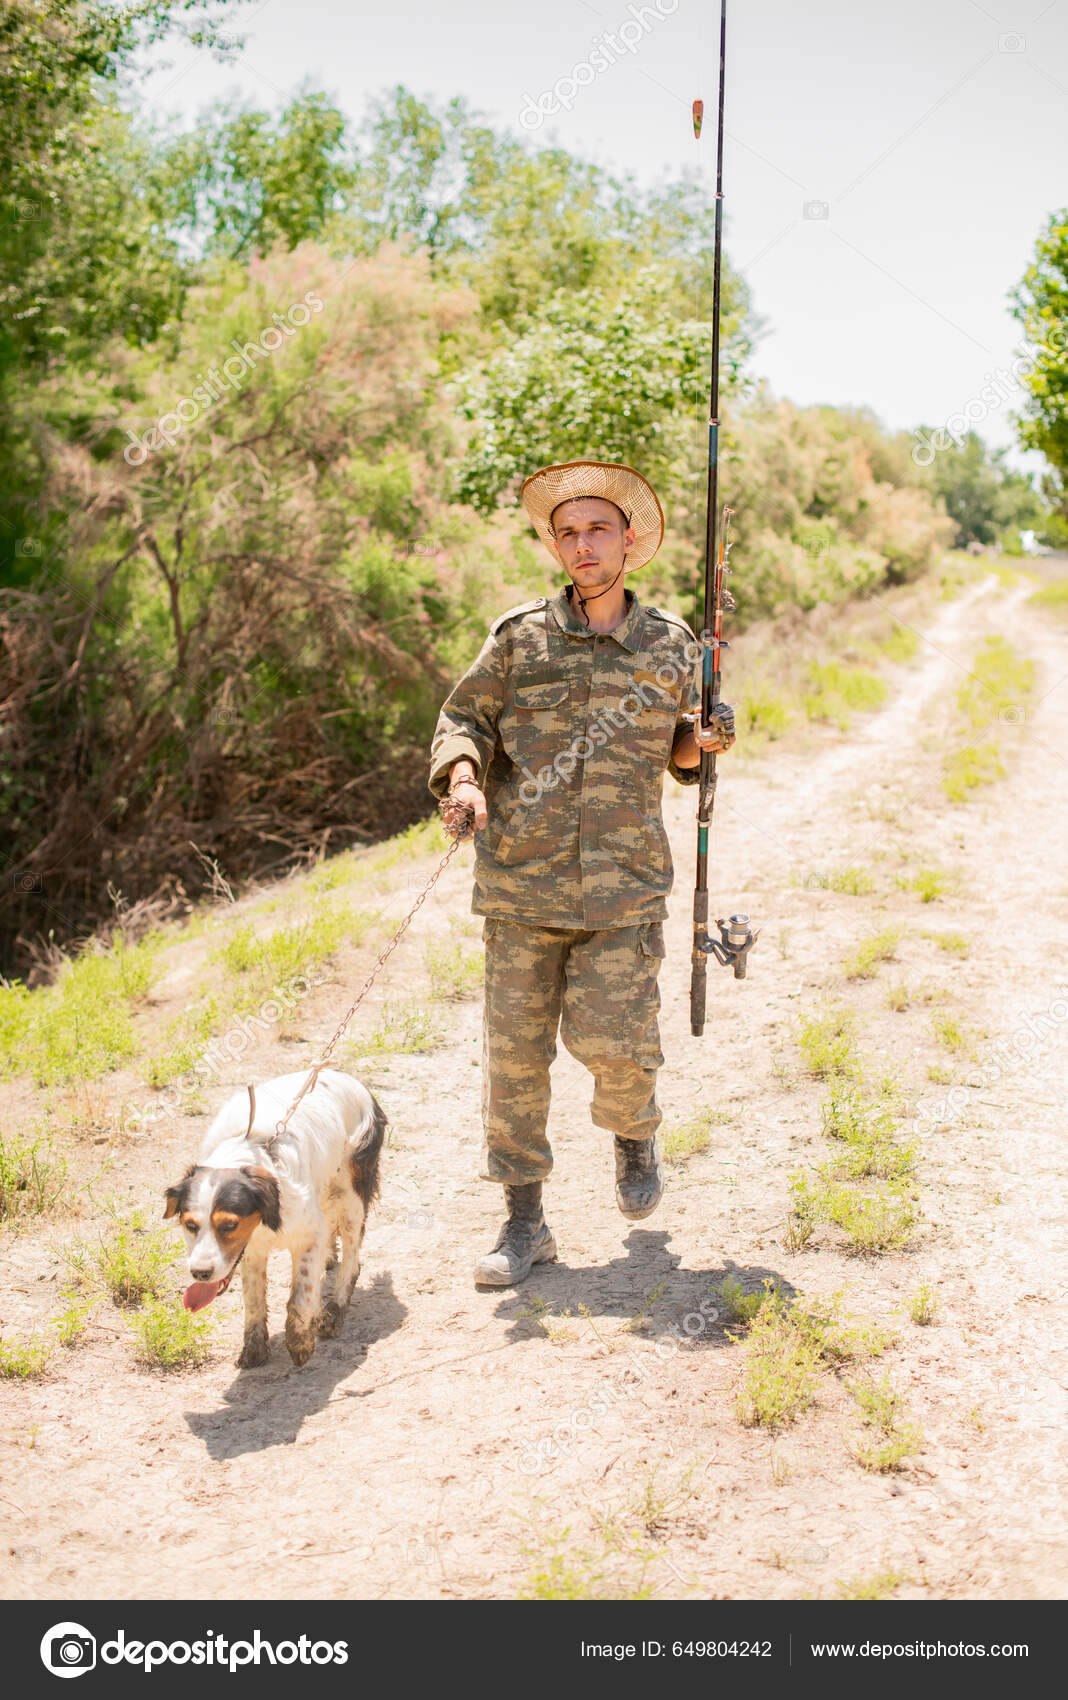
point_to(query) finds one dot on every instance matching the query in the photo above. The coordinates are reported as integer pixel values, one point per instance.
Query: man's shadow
(267, 1406)
(647, 1287)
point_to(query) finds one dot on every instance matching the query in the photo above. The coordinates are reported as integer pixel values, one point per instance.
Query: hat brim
(544, 491)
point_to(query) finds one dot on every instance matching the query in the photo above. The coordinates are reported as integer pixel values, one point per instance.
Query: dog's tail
(364, 1157)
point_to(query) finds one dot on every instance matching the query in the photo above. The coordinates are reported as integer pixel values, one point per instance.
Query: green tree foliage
(1040, 302)
(258, 601)
(241, 183)
(79, 256)
(987, 500)
(82, 256)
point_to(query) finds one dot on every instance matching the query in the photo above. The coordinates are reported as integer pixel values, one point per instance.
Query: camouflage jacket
(570, 732)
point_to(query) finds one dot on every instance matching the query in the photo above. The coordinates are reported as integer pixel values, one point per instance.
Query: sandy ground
(442, 1444)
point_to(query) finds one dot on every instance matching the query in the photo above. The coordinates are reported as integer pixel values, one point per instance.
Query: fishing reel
(736, 940)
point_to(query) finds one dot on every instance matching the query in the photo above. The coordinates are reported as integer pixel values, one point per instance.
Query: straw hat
(545, 490)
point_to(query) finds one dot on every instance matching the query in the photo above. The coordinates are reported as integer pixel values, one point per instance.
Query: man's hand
(719, 733)
(464, 786)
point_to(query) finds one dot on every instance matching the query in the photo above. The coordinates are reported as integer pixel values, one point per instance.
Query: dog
(308, 1192)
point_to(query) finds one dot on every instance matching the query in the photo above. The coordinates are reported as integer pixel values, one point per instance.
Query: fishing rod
(736, 937)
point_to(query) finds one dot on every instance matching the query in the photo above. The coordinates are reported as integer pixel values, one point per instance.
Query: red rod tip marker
(698, 115)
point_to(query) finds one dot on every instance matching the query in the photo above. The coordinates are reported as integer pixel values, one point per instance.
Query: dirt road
(444, 1443)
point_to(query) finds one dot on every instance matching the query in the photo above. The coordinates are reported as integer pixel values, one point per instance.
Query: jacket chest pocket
(653, 726)
(536, 723)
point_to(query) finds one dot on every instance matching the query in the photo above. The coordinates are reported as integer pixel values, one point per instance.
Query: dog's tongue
(200, 1294)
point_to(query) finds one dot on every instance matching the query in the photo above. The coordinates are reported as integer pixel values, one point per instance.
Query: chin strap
(582, 600)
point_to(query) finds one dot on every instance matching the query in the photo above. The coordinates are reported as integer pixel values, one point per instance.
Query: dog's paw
(330, 1321)
(300, 1342)
(254, 1350)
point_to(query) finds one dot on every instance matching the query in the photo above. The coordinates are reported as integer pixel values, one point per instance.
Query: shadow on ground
(649, 1282)
(267, 1407)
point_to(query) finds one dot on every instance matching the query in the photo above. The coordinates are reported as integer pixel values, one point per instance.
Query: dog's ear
(268, 1201)
(176, 1195)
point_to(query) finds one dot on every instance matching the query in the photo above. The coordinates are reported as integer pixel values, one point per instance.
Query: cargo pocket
(640, 1034)
(489, 926)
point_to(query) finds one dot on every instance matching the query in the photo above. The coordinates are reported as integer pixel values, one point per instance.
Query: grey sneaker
(639, 1177)
(522, 1242)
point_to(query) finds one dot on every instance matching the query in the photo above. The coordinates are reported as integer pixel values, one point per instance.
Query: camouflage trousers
(600, 990)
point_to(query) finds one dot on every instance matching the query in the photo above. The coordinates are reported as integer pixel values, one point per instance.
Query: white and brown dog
(250, 1193)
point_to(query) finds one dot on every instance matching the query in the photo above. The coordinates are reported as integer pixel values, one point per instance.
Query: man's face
(592, 538)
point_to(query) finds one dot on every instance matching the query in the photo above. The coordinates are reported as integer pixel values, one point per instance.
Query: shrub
(170, 1337)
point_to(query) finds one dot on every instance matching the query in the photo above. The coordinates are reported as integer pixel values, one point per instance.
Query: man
(558, 736)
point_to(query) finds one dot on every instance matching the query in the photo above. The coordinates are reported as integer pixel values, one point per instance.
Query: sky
(888, 168)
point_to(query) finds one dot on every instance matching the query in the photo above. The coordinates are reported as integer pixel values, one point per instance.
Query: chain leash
(458, 820)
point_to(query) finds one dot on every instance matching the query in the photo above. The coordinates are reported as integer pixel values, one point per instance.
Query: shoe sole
(546, 1255)
(640, 1215)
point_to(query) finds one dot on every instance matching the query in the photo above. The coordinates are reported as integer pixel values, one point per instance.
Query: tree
(242, 182)
(987, 501)
(1040, 303)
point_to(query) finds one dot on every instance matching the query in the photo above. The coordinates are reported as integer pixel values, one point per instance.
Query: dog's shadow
(267, 1406)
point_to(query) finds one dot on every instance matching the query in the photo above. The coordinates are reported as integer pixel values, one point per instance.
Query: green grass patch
(71, 1324)
(950, 1033)
(185, 1039)
(888, 1435)
(82, 1025)
(257, 962)
(742, 1307)
(764, 713)
(827, 1045)
(923, 1305)
(1053, 597)
(31, 1177)
(902, 644)
(789, 1343)
(689, 1138)
(22, 1360)
(929, 883)
(560, 1568)
(782, 1371)
(455, 971)
(856, 882)
(965, 769)
(854, 1114)
(861, 962)
(839, 691)
(408, 1027)
(130, 1263)
(168, 1336)
(955, 944)
(878, 1219)
(424, 838)
(1000, 681)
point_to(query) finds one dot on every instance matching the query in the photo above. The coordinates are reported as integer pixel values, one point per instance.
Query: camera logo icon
(815, 209)
(68, 1649)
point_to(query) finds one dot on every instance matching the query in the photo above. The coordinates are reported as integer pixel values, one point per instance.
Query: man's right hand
(465, 787)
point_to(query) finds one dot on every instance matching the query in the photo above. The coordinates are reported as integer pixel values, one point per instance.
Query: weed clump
(170, 1337)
